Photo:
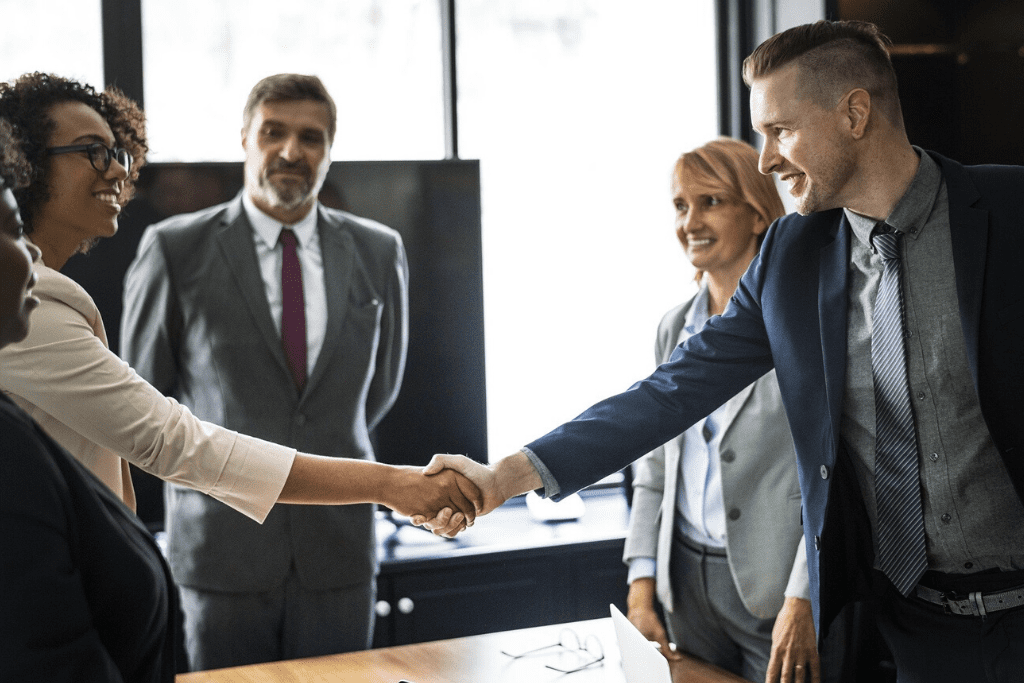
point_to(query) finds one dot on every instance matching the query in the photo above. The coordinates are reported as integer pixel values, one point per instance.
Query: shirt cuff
(549, 487)
(642, 568)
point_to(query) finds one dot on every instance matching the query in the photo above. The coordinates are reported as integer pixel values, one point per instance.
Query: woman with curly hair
(83, 150)
(87, 596)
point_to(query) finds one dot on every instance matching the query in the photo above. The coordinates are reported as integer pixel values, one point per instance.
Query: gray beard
(286, 197)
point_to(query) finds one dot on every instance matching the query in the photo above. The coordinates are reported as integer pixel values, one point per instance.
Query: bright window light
(577, 110)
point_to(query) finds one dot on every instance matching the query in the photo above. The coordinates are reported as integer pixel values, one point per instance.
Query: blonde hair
(732, 164)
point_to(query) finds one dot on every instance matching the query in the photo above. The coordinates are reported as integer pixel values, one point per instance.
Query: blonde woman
(715, 525)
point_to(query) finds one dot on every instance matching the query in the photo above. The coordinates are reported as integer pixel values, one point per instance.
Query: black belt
(696, 547)
(976, 603)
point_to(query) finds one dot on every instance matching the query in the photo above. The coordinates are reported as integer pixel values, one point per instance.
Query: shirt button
(913, 231)
(933, 457)
(727, 456)
(968, 565)
(706, 433)
(734, 514)
(945, 518)
(824, 472)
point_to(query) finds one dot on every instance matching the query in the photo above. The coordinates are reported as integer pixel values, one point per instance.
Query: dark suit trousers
(930, 646)
(233, 629)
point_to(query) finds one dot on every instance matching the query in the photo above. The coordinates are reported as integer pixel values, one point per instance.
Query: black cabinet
(507, 572)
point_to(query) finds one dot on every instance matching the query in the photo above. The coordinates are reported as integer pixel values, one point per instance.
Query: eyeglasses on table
(589, 651)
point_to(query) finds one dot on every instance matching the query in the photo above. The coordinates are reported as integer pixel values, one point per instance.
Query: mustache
(281, 165)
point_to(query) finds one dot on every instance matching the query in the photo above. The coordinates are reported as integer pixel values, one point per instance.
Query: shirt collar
(697, 316)
(912, 210)
(268, 229)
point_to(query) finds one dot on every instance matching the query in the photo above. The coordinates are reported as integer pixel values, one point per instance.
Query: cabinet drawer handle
(406, 605)
(382, 608)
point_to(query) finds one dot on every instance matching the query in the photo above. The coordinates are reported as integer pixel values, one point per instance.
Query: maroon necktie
(293, 310)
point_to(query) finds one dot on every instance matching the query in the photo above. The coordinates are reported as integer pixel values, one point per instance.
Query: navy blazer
(789, 312)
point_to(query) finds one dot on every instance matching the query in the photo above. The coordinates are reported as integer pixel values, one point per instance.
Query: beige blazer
(760, 491)
(95, 406)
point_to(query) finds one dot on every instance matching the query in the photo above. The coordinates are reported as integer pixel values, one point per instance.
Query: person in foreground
(274, 315)
(714, 526)
(87, 595)
(83, 153)
(892, 312)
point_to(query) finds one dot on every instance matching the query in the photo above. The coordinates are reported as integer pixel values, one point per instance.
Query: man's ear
(857, 109)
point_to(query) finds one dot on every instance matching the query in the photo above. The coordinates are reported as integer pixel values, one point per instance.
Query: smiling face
(16, 275)
(718, 233)
(83, 203)
(803, 142)
(287, 153)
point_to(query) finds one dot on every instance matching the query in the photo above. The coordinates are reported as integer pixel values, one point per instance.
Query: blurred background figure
(715, 525)
(273, 315)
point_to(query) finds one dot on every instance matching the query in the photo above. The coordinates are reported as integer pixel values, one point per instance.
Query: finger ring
(798, 666)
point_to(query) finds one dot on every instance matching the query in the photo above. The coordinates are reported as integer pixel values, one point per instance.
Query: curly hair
(14, 167)
(26, 103)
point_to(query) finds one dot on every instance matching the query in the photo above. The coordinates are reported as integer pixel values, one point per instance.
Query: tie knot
(886, 241)
(287, 238)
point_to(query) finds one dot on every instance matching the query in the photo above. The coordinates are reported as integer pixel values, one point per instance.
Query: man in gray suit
(276, 317)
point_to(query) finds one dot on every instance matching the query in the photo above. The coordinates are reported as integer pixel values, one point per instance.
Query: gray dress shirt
(973, 518)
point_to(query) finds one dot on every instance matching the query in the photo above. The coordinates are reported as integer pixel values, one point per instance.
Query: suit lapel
(338, 253)
(832, 315)
(968, 231)
(235, 240)
(733, 407)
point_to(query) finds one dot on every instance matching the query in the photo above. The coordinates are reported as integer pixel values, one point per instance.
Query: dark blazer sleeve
(394, 336)
(703, 373)
(151, 323)
(47, 629)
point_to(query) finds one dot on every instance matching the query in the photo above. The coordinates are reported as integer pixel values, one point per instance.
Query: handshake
(451, 491)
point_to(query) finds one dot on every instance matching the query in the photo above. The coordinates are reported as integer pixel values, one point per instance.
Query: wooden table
(476, 659)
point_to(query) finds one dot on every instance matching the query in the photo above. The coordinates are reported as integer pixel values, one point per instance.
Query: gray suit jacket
(197, 325)
(760, 491)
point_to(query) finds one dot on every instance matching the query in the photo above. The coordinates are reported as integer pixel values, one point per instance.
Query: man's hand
(483, 476)
(794, 644)
(641, 614)
(498, 482)
(450, 500)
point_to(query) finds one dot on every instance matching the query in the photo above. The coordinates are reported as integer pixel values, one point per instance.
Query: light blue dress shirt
(699, 505)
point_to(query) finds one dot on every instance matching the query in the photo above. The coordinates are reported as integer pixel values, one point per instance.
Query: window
(380, 60)
(577, 110)
(62, 37)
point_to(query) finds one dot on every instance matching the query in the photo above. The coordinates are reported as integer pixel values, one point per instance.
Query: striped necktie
(293, 309)
(901, 540)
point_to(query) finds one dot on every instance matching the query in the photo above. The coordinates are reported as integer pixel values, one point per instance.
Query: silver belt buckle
(972, 605)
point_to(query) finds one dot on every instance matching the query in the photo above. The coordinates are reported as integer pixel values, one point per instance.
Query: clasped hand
(448, 522)
(441, 498)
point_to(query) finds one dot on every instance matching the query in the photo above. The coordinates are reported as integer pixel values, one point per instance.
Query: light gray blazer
(197, 325)
(760, 491)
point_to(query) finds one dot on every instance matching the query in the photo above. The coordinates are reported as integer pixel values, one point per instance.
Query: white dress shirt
(267, 232)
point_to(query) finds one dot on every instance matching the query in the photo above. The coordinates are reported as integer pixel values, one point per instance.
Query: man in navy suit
(824, 97)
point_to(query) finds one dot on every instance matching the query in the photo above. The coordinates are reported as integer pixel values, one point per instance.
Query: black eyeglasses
(581, 655)
(99, 155)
